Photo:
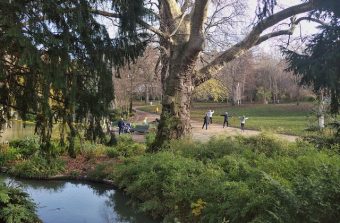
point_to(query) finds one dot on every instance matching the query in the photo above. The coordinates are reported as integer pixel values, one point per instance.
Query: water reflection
(68, 201)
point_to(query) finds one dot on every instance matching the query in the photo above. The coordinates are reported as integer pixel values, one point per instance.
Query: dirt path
(204, 135)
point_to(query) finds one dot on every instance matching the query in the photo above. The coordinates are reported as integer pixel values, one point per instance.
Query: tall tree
(319, 64)
(181, 34)
(56, 59)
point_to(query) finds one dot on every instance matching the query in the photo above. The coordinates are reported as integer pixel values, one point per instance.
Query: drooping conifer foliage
(56, 61)
(265, 8)
(319, 63)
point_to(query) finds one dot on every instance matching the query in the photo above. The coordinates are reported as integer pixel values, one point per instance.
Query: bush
(101, 171)
(26, 147)
(92, 150)
(206, 152)
(257, 179)
(150, 138)
(126, 147)
(112, 152)
(15, 206)
(30, 146)
(37, 167)
(164, 182)
(8, 155)
(264, 144)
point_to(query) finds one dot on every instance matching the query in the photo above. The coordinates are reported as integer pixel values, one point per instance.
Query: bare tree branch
(105, 13)
(153, 29)
(249, 41)
(274, 34)
(139, 21)
(288, 31)
(311, 19)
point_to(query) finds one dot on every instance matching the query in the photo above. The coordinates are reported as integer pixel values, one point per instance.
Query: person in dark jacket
(205, 121)
(121, 126)
(226, 119)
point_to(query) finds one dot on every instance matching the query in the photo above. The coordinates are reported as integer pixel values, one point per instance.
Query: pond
(71, 201)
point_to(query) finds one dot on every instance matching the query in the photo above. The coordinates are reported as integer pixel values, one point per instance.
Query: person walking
(226, 119)
(210, 114)
(205, 121)
(243, 119)
(121, 125)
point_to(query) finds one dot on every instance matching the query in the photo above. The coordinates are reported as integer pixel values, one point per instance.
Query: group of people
(124, 127)
(208, 119)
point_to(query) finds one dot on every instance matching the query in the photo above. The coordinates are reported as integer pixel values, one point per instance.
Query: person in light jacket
(210, 114)
(243, 121)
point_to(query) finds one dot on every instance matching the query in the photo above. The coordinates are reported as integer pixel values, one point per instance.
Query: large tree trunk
(176, 100)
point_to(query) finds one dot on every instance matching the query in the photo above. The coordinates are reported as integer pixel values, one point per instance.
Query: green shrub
(206, 152)
(30, 146)
(26, 147)
(150, 138)
(164, 182)
(112, 152)
(264, 144)
(8, 154)
(101, 171)
(260, 179)
(92, 150)
(126, 147)
(37, 167)
(15, 205)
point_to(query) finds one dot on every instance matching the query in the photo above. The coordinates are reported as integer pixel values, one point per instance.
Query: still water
(73, 202)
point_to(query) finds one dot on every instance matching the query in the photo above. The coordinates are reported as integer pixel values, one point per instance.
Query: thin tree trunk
(147, 94)
(71, 137)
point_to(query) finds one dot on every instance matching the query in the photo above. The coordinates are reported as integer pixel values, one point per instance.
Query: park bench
(141, 129)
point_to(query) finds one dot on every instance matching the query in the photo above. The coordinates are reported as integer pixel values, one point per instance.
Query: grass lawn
(280, 118)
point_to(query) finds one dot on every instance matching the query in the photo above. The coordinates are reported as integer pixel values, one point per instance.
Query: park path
(204, 135)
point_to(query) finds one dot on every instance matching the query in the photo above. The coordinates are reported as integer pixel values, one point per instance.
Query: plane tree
(180, 29)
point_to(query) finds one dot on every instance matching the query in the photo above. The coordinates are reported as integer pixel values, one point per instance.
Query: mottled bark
(179, 59)
(175, 117)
